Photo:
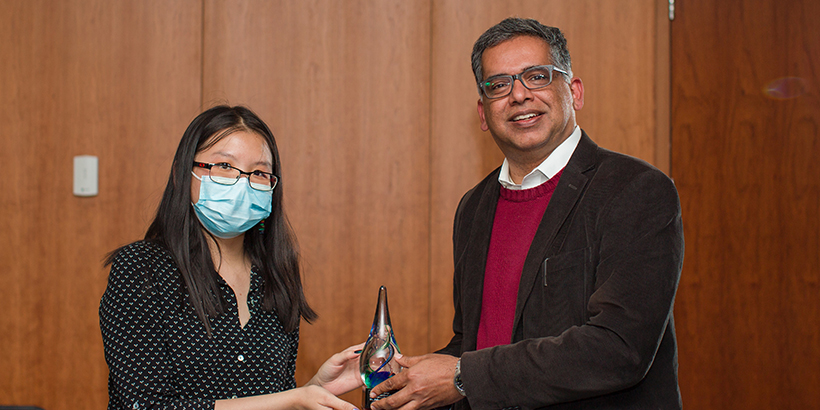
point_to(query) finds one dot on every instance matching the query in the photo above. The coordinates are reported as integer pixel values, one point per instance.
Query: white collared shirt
(555, 162)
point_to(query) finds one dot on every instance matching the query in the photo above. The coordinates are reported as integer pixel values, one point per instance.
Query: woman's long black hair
(272, 250)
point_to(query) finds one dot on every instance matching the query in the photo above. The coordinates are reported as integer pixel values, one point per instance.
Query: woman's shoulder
(142, 263)
(141, 254)
(140, 287)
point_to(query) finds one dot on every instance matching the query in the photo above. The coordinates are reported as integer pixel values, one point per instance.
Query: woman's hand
(302, 398)
(317, 398)
(340, 373)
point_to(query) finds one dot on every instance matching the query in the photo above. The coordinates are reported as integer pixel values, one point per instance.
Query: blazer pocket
(565, 277)
(551, 266)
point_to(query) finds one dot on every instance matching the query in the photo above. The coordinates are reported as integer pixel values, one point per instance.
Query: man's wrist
(457, 379)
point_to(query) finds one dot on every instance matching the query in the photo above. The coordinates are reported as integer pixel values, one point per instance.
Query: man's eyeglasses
(226, 174)
(533, 78)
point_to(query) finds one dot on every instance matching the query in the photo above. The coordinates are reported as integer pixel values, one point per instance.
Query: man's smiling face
(527, 125)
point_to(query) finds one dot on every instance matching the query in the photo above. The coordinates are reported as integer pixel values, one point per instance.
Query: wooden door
(745, 138)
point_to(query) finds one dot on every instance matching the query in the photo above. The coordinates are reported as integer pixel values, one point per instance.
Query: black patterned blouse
(158, 353)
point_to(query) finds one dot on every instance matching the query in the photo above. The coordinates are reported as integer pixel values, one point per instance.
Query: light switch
(85, 175)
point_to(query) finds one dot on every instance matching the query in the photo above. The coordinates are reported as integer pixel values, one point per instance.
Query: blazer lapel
(476, 260)
(568, 193)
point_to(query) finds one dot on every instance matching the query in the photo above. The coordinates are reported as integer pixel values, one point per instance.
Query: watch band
(457, 379)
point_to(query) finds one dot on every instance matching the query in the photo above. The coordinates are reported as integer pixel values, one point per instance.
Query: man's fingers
(408, 361)
(394, 401)
(394, 383)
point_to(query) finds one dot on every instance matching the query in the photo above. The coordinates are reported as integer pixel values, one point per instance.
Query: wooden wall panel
(80, 77)
(746, 115)
(344, 86)
(614, 51)
(373, 106)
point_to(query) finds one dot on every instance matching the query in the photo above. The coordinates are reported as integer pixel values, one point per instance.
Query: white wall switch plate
(85, 175)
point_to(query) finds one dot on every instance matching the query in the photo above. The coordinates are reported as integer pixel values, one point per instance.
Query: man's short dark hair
(514, 27)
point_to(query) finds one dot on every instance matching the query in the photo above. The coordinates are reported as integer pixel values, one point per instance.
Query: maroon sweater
(517, 217)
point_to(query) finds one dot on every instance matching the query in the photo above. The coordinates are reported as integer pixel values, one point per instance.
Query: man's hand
(425, 383)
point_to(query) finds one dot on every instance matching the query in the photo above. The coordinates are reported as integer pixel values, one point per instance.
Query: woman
(204, 312)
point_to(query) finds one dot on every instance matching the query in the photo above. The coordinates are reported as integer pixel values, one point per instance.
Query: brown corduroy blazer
(593, 325)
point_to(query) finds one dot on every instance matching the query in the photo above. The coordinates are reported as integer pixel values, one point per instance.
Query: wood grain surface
(80, 77)
(372, 103)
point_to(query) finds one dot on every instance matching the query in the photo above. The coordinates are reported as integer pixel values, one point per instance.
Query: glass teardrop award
(377, 362)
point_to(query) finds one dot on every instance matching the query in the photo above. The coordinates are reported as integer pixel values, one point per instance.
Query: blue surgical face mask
(229, 210)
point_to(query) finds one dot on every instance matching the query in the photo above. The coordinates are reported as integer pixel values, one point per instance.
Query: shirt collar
(555, 162)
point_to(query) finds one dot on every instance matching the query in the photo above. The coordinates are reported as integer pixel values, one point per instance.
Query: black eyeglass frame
(274, 179)
(520, 78)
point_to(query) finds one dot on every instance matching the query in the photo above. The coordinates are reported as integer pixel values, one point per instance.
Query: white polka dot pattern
(158, 353)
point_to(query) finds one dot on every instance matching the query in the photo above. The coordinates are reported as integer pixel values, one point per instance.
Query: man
(567, 257)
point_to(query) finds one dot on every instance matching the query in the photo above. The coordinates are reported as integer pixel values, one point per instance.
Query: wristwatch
(457, 379)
